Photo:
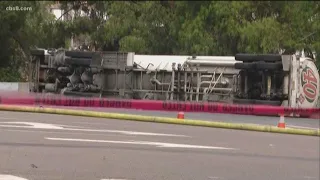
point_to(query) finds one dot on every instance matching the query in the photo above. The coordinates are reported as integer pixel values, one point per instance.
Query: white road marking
(35, 125)
(302, 127)
(309, 177)
(7, 118)
(114, 179)
(55, 132)
(39, 125)
(157, 144)
(10, 177)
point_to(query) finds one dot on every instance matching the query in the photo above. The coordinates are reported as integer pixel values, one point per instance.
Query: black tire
(257, 102)
(37, 52)
(269, 66)
(244, 66)
(267, 102)
(79, 54)
(96, 60)
(79, 94)
(78, 61)
(258, 57)
(243, 101)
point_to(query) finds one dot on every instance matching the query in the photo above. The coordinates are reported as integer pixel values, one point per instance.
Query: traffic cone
(180, 115)
(281, 123)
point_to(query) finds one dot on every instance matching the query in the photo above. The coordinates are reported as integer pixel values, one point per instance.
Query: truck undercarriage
(270, 79)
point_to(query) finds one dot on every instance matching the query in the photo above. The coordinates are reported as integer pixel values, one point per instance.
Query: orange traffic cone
(281, 123)
(180, 115)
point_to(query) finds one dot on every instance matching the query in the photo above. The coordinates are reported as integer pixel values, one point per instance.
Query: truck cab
(279, 80)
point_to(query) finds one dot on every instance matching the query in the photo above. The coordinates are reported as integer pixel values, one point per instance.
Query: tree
(159, 27)
(23, 30)
(15, 47)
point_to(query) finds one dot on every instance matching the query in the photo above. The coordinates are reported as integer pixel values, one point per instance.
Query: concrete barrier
(14, 86)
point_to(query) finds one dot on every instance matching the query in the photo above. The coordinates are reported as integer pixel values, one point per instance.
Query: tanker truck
(290, 80)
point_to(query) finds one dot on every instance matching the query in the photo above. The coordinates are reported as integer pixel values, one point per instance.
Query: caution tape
(58, 100)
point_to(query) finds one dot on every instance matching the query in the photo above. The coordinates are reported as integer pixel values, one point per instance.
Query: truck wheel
(268, 102)
(79, 54)
(268, 66)
(243, 101)
(258, 57)
(244, 65)
(37, 52)
(78, 61)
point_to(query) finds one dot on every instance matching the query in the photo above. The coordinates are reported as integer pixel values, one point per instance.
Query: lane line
(42, 125)
(63, 132)
(157, 144)
(7, 118)
(35, 125)
(309, 177)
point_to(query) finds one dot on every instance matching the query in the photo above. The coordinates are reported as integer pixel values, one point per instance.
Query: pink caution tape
(57, 100)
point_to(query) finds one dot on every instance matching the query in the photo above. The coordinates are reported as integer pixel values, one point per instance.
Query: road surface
(304, 123)
(56, 147)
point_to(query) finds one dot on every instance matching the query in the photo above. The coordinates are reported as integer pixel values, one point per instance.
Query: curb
(202, 123)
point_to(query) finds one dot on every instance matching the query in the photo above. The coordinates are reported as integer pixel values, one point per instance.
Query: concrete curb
(237, 126)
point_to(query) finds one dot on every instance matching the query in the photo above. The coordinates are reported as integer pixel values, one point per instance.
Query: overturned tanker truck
(269, 79)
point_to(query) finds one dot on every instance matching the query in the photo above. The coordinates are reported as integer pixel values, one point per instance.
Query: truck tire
(79, 94)
(257, 102)
(37, 52)
(258, 57)
(79, 54)
(78, 61)
(268, 102)
(244, 66)
(269, 66)
(243, 101)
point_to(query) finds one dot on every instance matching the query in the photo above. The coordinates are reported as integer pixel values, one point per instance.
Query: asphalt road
(55, 147)
(304, 123)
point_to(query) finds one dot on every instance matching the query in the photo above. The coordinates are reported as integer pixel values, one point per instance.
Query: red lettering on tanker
(309, 84)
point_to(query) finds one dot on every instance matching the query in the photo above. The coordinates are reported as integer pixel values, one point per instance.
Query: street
(56, 147)
(303, 123)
